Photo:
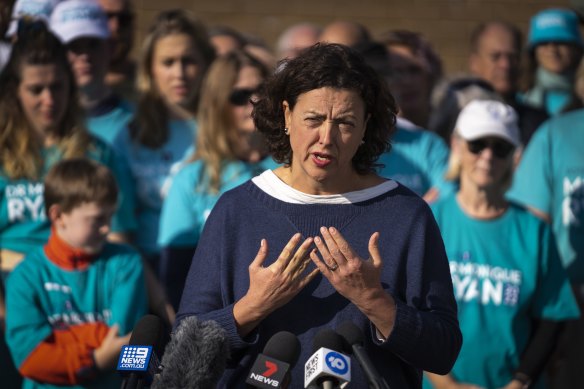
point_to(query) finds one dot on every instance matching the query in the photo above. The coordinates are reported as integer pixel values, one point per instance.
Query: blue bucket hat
(554, 25)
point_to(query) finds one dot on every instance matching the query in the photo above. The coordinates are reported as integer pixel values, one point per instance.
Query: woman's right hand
(273, 286)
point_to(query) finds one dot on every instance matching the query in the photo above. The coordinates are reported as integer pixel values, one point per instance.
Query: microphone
(271, 368)
(195, 357)
(354, 338)
(139, 361)
(327, 368)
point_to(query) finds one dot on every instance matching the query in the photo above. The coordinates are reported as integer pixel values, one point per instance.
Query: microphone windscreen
(351, 333)
(283, 346)
(195, 357)
(329, 339)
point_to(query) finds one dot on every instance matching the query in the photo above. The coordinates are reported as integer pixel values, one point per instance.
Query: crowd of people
(341, 176)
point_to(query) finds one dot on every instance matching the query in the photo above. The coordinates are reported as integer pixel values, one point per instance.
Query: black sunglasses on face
(241, 96)
(500, 148)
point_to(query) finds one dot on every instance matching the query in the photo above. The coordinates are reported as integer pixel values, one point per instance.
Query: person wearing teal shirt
(73, 302)
(418, 159)
(550, 182)
(175, 57)
(555, 48)
(82, 26)
(228, 153)
(41, 123)
(509, 283)
(109, 118)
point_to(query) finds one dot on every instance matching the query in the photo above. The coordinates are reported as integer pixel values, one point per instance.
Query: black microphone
(271, 368)
(139, 360)
(327, 368)
(354, 338)
(195, 357)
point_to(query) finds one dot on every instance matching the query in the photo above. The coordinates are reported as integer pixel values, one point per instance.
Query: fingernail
(317, 239)
(262, 242)
(322, 229)
(333, 230)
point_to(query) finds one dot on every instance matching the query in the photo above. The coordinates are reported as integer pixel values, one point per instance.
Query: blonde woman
(508, 280)
(229, 152)
(175, 56)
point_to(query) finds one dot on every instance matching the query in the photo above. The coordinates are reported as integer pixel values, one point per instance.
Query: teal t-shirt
(41, 297)
(550, 178)
(505, 272)
(108, 125)
(418, 159)
(152, 171)
(23, 223)
(190, 201)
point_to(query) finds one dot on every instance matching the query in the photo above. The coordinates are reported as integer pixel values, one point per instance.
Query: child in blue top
(72, 303)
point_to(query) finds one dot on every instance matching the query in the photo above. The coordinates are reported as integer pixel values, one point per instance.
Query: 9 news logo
(134, 358)
(337, 363)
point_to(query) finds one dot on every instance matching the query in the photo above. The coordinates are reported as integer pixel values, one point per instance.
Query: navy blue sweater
(415, 272)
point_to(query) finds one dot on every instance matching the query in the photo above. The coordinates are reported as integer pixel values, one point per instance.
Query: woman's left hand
(357, 279)
(353, 277)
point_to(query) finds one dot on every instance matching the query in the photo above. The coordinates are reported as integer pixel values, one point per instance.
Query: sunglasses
(241, 96)
(500, 148)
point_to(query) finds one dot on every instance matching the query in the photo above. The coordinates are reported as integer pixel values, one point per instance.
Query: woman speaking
(322, 239)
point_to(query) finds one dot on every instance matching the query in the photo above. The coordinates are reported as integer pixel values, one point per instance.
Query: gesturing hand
(353, 277)
(273, 286)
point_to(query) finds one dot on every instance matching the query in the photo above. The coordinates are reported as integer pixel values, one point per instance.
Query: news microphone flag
(267, 372)
(138, 362)
(271, 368)
(327, 363)
(138, 358)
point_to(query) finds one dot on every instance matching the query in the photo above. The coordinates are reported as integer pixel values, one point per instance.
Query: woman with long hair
(41, 123)
(175, 56)
(229, 151)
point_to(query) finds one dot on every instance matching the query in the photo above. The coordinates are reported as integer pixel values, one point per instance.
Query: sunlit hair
(216, 126)
(20, 149)
(454, 170)
(334, 66)
(150, 126)
(73, 182)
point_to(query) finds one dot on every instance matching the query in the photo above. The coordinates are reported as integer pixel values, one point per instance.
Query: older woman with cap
(511, 288)
(555, 49)
(323, 239)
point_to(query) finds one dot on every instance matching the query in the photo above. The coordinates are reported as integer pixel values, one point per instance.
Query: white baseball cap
(34, 9)
(73, 19)
(482, 118)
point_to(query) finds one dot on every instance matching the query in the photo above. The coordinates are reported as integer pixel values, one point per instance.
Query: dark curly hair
(334, 66)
